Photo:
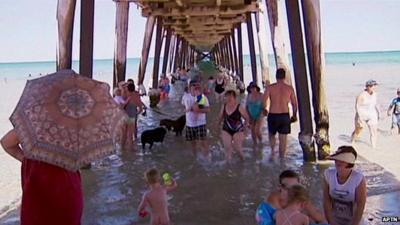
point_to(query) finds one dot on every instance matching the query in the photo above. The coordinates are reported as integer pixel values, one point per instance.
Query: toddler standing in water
(291, 215)
(156, 198)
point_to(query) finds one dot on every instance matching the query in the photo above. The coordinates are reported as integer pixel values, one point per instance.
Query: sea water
(211, 191)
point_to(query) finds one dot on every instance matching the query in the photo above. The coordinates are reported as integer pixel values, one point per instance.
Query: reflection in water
(210, 191)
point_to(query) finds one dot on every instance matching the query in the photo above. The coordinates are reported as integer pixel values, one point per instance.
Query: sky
(29, 28)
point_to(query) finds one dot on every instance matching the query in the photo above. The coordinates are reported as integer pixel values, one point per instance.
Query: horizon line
(77, 60)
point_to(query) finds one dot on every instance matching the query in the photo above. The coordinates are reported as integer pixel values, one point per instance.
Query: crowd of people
(344, 188)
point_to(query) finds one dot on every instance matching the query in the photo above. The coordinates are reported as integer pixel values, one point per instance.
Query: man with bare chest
(280, 95)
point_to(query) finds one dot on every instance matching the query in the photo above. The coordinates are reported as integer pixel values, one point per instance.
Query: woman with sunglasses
(345, 191)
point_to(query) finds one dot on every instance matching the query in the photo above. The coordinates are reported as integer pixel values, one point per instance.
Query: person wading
(280, 95)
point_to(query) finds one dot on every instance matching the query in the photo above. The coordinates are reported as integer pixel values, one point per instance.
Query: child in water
(291, 215)
(156, 198)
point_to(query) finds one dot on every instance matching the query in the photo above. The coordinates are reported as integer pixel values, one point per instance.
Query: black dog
(177, 125)
(151, 136)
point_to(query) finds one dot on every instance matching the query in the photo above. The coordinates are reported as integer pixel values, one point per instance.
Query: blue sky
(29, 31)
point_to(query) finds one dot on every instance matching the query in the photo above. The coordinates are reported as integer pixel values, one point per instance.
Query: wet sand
(218, 193)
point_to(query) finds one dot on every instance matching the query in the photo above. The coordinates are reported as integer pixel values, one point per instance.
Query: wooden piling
(262, 44)
(316, 63)
(148, 34)
(177, 53)
(86, 42)
(65, 22)
(157, 52)
(300, 74)
(171, 54)
(121, 38)
(278, 44)
(251, 47)
(235, 57)
(240, 51)
(232, 61)
(166, 50)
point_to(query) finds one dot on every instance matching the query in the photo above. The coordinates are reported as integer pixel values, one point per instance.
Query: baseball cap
(371, 83)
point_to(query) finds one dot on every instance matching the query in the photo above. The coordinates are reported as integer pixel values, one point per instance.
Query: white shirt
(366, 109)
(343, 195)
(193, 119)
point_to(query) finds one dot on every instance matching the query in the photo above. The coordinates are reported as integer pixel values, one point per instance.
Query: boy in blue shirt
(394, 108)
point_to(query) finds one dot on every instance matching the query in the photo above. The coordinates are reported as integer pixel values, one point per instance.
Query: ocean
(103, 68)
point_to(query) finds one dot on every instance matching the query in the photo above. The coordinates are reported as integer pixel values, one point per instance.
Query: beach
(344, 81)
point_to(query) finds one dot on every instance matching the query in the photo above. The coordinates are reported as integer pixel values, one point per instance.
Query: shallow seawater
(210, 190)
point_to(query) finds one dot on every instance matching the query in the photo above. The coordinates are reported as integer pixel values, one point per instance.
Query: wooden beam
(121, 33)
(201, 10)
(65, 22)
(252, 48)
(148, 35)
(262, 44)
(157, 51)
(278, 45)
(240, 52)
(86, 42)
(316, 64)
(166, 50)
(300, 74)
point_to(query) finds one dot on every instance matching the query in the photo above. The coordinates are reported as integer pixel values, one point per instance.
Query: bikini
(233, 122)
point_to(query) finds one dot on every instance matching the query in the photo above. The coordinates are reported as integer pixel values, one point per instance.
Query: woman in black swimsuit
(232, 115)
(219, 87)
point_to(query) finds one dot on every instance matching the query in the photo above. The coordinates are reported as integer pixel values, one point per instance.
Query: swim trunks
(278, 123)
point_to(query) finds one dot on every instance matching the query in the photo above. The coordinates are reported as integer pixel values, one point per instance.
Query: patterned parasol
(67, 120)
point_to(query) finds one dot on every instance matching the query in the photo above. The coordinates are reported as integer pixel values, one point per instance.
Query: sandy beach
(343, 83)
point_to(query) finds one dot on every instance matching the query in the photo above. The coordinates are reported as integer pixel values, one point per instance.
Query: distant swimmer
(367, 112)
(394, 108)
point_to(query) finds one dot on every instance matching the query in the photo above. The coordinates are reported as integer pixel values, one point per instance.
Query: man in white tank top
(367, 112)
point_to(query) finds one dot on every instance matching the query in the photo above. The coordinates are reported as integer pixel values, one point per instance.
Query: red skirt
(50, 195)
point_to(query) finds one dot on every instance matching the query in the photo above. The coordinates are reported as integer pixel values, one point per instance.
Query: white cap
(347, 157)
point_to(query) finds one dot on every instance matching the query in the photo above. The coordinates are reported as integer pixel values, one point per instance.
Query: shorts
(396, 120)
(278, 123)
(196, 133)
(371, 120)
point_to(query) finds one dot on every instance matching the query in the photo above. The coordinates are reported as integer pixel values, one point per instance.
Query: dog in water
(151, 136)
(177, 125)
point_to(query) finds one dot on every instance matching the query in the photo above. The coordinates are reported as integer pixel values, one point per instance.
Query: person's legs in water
(272, 141)
(227, 142)
(357, 130)
(253, 125)
(135, 130)
(282, 145)
(373, 133)
(130, 133)
(238, 144)
(258, 126)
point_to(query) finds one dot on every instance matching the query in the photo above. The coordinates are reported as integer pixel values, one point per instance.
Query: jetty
(191, 30)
